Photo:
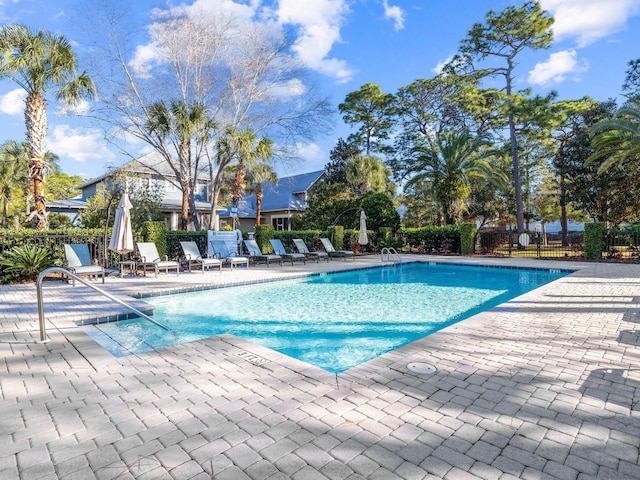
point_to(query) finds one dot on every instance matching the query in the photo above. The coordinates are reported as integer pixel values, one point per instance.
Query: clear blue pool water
(334, 321)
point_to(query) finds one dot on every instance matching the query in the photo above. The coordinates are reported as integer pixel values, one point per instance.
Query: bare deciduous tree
(242, 72)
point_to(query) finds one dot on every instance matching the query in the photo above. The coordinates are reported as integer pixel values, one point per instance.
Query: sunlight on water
(334, 321)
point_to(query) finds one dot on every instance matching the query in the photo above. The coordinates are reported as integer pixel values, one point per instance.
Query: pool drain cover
(422, 368)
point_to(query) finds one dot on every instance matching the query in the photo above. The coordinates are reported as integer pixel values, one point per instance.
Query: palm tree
(259, 173)
(39, 62)
(448, 169)
(180, 124)
(248, 151)
(368, 174)
(617, 139)
(7, 180)
(15, 156)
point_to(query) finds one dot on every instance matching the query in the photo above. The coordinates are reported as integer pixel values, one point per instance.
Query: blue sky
(351, 42)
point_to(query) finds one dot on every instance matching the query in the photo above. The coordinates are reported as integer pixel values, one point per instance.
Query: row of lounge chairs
(78, 258)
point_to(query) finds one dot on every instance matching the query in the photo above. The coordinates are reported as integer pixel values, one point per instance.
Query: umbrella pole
(106, 229)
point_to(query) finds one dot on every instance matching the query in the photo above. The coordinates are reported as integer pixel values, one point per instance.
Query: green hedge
(432, 239)
(156, 232)
(385, 232)
(468, 238)
(174, 237)
(263, 234)
(593, 238)
(310, 238)
(336, 235)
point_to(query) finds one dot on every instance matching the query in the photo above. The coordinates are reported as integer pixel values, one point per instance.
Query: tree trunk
(516, 176)
(184, 214)
(259, 197)
(36, 122)
(193, 213)
(564, 223)
(517, 184)
(4, 214)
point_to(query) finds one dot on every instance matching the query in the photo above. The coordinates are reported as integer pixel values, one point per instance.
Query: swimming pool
(334, 321)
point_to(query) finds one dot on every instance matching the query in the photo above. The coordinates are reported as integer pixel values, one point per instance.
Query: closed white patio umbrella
(122, 236)
(363, 239)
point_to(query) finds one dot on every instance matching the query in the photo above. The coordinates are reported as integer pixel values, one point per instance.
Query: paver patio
(543, 387)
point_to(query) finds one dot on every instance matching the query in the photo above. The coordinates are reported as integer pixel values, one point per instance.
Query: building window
(280, 223)
(169, 186)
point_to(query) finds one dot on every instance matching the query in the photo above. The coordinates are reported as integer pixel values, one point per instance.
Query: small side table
(130, 264)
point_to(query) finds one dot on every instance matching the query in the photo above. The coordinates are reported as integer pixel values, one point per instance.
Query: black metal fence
(617, 244)
(622, 244)
(98, 244)
(530, 244)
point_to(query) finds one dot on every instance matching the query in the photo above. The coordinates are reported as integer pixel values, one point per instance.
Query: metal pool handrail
(391, 253)
(44, 273)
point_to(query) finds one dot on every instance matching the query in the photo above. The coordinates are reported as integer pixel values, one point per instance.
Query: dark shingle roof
(152, 163)
(280, 196)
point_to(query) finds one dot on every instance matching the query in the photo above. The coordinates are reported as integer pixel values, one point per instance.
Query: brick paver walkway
(544, 387)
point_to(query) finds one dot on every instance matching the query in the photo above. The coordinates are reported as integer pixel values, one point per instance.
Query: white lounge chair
(193, 257)
(315, 255)
(256, 254)
(278, 249)
(328, 247)
(78, 261)
(149, 257)
(221, 251)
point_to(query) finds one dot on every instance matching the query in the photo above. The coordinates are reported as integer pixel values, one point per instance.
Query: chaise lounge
(315, 255)
(193, 257)
(257, 256)
(221, 251)
(344, 254)
(78, 261)
(149, 257)
(278, 249)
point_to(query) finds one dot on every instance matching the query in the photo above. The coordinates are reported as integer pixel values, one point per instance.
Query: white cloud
(302, 158)
(440, 65)
(12, 103)
(292, 88)
(309, 151)
(556, 68)
(319, 25)
(152, 53)
(81, 108)
(203, 8)
(589, 20)
(144, 58)
(318, 22)
(78, 144)
(394, 13)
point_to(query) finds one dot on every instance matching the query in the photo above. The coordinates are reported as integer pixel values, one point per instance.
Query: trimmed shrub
(593, 238)
(174, 237)
(432, 239)
(263, 234)
(156, 232)
(468, 238)
(338, 237)
(385, 232)
(310, 238)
